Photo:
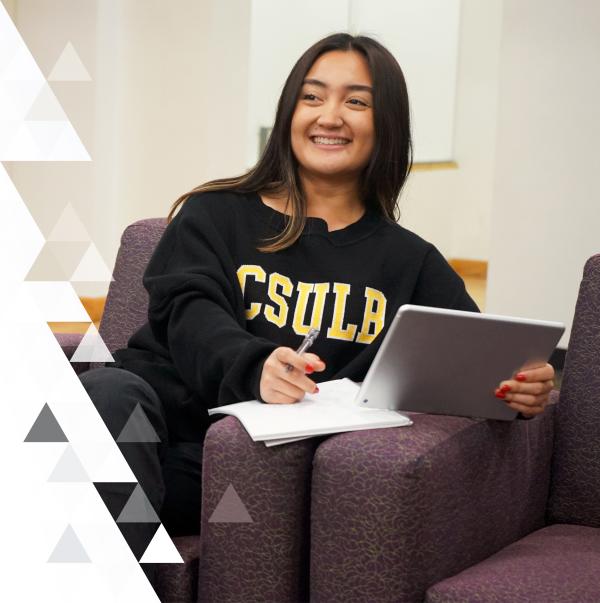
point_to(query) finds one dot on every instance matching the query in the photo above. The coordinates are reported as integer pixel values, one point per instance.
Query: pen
(306, 343)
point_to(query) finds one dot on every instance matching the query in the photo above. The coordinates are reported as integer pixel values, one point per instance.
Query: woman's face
(332, 131)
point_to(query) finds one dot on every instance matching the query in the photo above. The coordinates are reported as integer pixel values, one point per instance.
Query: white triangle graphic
(68, 146)
(18, 98)
(69, 468)
(46, 107)
(161, 549)
(92, 348)
(69, 227)
(69, 549)
(114, 467)
(92, 267)
(69, 67)
(22, 67)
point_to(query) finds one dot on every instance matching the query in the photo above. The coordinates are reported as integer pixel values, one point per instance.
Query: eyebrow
(353, 87)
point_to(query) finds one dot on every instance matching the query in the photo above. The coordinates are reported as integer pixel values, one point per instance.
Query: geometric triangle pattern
(230, 509)
(138, 428)
(138, 509)
(138, 536)
(92, 348)
(92, 268)
(46, 428)
(69, 549)
(45, 107)
(33, 127)
(115, 495)
(68, 227)
(161, 549)
(69, 468)
(69, 67)
(57, 261)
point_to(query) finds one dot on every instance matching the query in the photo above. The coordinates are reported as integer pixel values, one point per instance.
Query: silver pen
(306, 343)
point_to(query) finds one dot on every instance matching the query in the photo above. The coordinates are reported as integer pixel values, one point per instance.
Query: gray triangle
(69, 468)
(230, 509)
(138, 428)
(69, 549)
(46, 428)
(138, 509)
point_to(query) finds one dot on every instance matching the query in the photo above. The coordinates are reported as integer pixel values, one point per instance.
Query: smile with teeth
(324, 140)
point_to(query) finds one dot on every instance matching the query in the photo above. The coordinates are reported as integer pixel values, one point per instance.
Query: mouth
(329, 141)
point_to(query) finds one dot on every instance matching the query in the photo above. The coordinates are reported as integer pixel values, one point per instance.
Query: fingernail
(500, 394)
(316, 390)
(309, 369)
(520, 377)
(505, 388)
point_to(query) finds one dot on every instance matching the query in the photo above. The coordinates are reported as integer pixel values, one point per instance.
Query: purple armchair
(450, 509)
(458, 510)
(263, 559)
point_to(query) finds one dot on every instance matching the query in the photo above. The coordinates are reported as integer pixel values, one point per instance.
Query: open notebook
(333, 410)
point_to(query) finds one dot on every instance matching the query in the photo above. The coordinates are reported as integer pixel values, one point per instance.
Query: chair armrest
(264, 558)
(397, 510)
(69, 342)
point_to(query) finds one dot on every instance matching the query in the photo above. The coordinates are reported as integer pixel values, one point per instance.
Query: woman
(308, 238)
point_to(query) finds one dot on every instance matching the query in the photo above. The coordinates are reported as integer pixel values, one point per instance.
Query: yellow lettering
(304, 290)
(337, 330)
(374, 315)
(278, 280)
(259, 275)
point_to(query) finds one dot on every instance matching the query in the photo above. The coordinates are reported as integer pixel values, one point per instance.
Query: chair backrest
(126, 308)
(575, 489)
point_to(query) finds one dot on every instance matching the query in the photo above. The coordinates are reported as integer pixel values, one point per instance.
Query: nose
(330, 116)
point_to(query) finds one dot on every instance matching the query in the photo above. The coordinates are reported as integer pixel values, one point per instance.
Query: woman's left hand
(528, 391)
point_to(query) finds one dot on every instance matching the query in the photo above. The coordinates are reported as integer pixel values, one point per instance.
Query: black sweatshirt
(218, 307)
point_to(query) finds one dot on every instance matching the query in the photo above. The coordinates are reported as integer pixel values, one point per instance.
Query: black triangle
(138, 536)
(115, 495)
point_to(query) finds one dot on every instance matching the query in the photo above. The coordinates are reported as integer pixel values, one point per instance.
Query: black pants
(168, 472)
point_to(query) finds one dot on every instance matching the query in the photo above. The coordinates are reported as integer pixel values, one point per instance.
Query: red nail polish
(520, 377)
(316, 390)
(505, 388)
(500, 394)
(309, 369)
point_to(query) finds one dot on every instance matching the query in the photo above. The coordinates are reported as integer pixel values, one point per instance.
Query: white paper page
(332, 410)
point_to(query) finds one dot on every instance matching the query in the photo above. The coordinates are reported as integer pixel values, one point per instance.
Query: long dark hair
(277, 169)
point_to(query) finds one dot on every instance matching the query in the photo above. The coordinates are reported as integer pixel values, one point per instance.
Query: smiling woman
(307, 239)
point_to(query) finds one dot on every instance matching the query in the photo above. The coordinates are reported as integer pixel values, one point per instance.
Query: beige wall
(546, 210)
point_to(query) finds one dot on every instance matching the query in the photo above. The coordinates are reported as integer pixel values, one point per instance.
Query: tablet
(450, 362)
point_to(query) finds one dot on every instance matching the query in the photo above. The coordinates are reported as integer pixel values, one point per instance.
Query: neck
(338, 203)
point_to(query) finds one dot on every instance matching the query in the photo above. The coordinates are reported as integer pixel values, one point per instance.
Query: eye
(357, 102)
(309, 97)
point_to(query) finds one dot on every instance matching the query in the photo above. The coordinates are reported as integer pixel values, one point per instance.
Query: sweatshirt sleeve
(439, 286)
(196, 309)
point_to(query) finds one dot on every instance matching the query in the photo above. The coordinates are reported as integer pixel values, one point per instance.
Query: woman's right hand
(278, 385)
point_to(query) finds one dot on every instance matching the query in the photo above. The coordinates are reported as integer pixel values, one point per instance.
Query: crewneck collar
(362, 228)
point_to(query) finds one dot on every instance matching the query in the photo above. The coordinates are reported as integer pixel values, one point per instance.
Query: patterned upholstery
(265, 560)
(176, 582)
(558, 564)
(561, 562)
(575, 496)
(126, 308)
(396, 510)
